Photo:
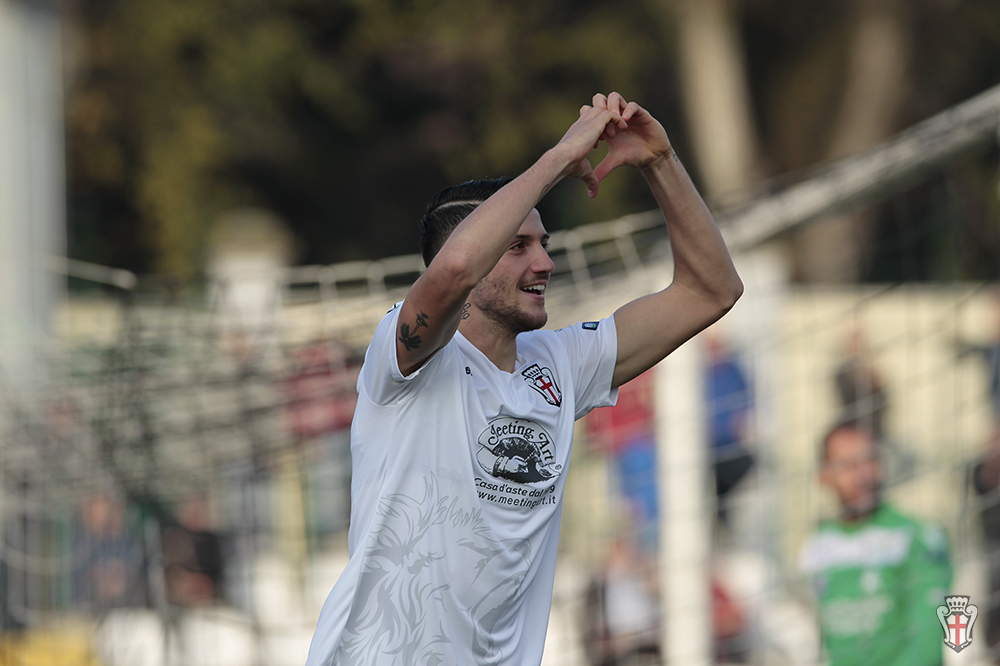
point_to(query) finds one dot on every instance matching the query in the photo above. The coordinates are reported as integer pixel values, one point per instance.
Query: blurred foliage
(342, 116)
(345, 116)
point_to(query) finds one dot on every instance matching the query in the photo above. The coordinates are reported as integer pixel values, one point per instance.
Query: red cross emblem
(959, 624)
(957, 617)
(541, 380)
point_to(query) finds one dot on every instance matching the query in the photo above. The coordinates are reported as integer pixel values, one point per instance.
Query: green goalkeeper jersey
(879, 582)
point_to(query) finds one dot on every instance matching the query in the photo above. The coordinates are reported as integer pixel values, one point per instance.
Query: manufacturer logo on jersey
(957, 617)
(517, 450)
(541, 380)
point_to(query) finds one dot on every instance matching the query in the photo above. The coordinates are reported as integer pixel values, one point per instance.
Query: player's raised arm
(432, 310)
(705, 284)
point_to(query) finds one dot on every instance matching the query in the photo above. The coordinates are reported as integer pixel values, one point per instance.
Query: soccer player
(879, 574)
(986, 483)
(462, 433)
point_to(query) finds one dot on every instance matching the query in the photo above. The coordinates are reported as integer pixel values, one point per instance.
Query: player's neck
(850, 516)
(497, 344)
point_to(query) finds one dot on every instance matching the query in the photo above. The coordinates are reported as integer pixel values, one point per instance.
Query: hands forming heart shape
(634, 138)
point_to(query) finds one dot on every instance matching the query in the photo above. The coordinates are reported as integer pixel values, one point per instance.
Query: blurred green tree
(344, 116)
(341, 116)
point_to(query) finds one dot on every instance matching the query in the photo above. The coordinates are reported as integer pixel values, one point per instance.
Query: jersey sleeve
(381, 379)
(593, 350)
(928, 579)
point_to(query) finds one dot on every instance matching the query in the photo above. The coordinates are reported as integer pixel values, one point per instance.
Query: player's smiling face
(513, 294)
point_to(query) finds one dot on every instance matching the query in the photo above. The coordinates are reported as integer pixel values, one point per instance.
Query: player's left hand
(642, 143)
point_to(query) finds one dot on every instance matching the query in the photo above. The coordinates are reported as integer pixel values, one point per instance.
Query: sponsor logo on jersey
(517, 450)
(590, 325)
(541, 380)
(957, 616)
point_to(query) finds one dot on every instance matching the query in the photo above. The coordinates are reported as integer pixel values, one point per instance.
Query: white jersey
(458, 478)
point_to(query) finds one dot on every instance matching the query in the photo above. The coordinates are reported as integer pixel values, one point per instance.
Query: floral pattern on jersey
(391, 620)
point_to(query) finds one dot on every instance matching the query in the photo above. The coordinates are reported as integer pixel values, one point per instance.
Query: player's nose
(542, 262)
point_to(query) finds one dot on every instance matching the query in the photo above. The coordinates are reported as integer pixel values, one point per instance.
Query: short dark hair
(842, 426)
(449, 207)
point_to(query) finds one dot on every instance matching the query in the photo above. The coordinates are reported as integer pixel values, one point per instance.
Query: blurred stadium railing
(179, 491)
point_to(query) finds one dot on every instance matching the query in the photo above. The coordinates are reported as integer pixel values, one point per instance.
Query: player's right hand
(582, 137)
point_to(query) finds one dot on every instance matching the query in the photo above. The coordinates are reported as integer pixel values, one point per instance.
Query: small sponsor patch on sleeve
(591, 325)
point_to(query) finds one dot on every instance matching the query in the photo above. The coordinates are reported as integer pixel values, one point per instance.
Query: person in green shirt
(879, 574)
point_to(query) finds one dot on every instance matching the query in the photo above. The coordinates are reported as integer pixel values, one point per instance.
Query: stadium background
(201, 410)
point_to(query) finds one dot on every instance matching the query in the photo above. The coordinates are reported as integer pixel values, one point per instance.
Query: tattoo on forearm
(465, 310)
(408, 337)
(545, 190)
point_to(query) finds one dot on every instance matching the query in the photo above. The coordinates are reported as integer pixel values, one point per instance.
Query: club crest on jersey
(957, 617)
(541, 380)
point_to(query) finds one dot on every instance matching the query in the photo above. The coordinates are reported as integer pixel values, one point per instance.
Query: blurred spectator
(321, 388)
(986, 481)
(193, 565)
(625, 431)
(990, 354)
(879, 575)
(108, 557)
(861, 391)
(729, 407)
(622, 612)
(635, 465)
(729, 626)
